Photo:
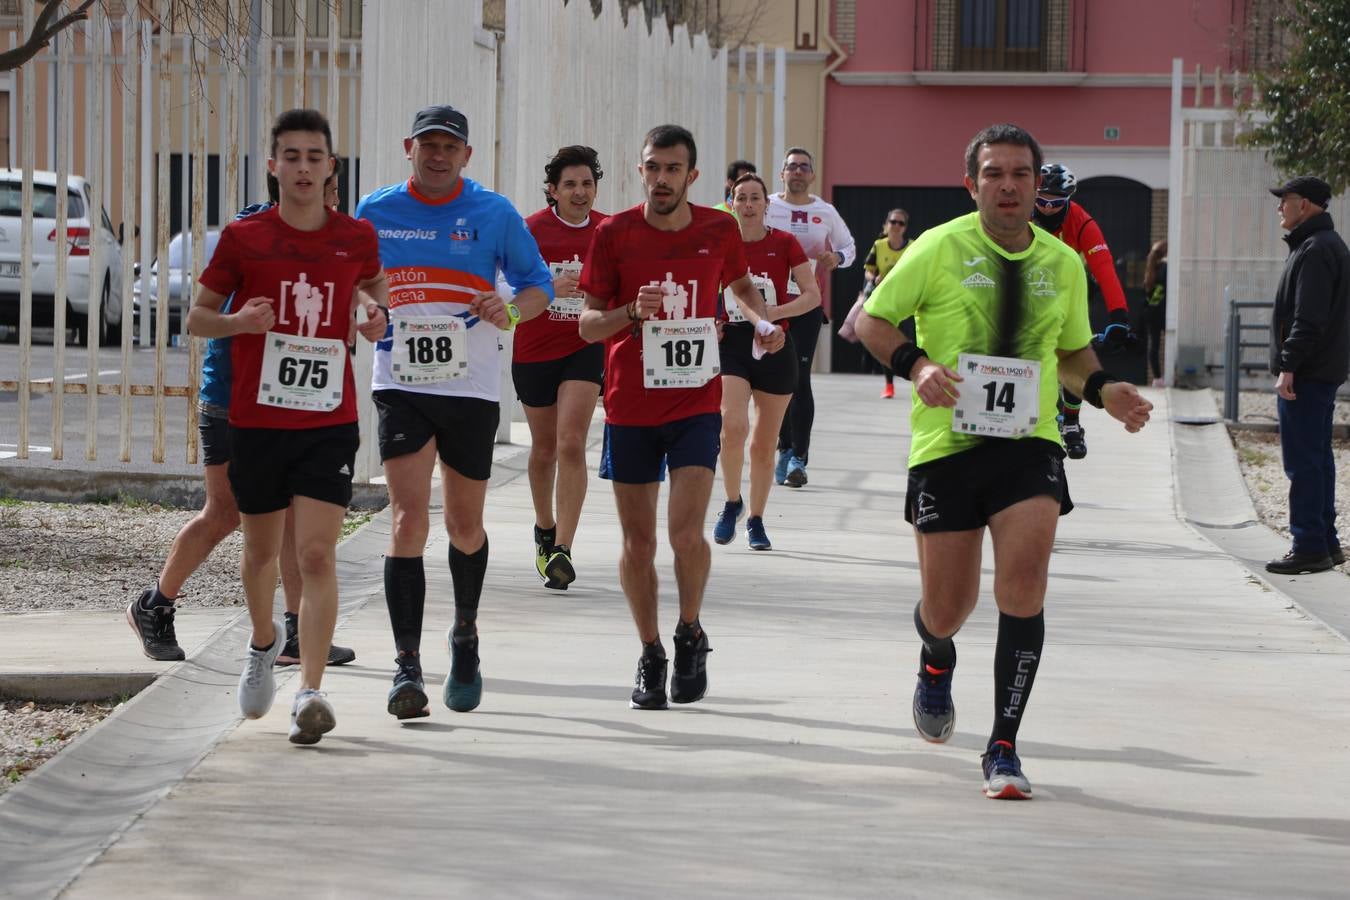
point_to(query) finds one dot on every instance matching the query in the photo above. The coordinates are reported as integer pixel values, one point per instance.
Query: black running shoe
(290, 652)
(543, 550)
(154, 626)
(1337, 556)
(408, 696)
(650, 691)
(934, 711)
(1075, 439)
(690, 681)
(463, 688)
(558, 571)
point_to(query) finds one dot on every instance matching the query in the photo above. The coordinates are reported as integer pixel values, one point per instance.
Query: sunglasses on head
(1052, 202)
(896, 222)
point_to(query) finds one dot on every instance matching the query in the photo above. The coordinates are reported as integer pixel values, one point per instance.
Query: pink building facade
(1091, 79)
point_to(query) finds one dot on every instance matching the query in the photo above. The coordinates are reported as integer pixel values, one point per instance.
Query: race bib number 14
(302, 373)
(679, 353)
(1000, 397)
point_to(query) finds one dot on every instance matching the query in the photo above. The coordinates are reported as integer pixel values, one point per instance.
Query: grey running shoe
(1003, 778)
(257, 687)
(934, 711)
(311, 716)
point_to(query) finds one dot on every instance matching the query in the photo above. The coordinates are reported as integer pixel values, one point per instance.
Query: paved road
(75, 408)
(1187, 736)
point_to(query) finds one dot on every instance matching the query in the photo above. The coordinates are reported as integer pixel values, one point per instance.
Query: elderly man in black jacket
(1310, 356)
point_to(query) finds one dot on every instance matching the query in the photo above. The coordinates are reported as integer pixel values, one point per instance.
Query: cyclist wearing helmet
(1069, 222)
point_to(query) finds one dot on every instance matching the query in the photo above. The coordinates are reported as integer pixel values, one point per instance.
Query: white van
(83, 228)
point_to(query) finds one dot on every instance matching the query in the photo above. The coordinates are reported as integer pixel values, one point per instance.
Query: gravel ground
(31, 734)
(100, 555)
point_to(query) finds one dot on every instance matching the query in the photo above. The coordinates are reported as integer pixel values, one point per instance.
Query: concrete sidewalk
(1187, 735)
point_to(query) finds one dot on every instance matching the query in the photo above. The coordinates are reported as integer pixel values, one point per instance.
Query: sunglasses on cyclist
(1052, 202)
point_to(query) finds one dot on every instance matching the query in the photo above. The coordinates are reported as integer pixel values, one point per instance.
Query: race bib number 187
(302, 373)
(1000, 396)
(679, 353)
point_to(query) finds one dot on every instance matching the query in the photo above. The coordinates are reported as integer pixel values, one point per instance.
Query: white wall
(569, 77)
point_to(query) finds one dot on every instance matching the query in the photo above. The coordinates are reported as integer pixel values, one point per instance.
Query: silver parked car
(83, 227)
(178, 275)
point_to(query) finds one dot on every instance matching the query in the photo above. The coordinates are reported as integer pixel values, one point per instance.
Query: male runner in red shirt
(297, 268)
(651, 281)
(557, 374)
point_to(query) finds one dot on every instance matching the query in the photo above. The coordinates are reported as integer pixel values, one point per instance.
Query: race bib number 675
(302, 373)
(1000, 396)
(679, 353)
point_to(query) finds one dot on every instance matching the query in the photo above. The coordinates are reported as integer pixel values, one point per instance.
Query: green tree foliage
(1307, 94)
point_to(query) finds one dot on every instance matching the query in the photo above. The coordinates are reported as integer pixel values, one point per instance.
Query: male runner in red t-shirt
(651, 281)
(293, 400)
(558, 375)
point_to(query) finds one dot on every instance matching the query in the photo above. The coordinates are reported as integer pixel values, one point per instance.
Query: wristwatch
(512, 313)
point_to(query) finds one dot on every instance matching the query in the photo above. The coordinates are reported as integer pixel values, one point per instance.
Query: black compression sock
(938, 653)
(466, 572)
(405, 593)
(1017, 655)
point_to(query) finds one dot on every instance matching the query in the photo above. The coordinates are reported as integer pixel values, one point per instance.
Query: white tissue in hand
(763, 328)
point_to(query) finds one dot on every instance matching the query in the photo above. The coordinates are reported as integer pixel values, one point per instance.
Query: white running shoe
(257, 687)
(311, 716)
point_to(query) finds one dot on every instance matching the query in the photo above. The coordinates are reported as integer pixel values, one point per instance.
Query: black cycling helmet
(1057, 180)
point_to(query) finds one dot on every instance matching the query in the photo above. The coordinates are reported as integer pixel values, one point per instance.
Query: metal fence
(169, 120)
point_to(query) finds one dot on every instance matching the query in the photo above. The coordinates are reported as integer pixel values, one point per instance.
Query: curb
(74, 687)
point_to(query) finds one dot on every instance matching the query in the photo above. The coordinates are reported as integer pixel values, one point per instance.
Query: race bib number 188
(428, 349)
(679, 353)
(1000, 396)
(302, 373)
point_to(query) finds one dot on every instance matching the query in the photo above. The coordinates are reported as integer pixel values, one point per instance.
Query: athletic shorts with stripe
(962, 491)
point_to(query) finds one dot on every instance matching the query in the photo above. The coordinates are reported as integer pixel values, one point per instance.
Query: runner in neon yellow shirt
(1004, 303)
(950, 280)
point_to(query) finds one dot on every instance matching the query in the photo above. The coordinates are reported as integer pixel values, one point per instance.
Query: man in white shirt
(822, 233)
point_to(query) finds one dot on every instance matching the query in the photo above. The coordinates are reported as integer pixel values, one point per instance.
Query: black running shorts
(269, 466)
(773, 373)
(464, 428)
(537, 382)
(214, 432)
(960, 492)
(639, 454)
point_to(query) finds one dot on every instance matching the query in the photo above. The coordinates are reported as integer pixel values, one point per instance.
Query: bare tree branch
(44, 29)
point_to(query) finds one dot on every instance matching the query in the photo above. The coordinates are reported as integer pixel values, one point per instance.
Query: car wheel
(104, 326)
(79, 325)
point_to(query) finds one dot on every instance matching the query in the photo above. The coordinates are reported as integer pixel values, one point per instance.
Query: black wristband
(904, 358)
(1092, 387)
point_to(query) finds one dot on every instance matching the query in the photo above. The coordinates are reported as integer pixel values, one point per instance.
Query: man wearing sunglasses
(821, 231)
(1069, 222)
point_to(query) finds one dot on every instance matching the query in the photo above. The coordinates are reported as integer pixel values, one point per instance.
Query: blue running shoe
(754, 530)
(463, 689)
(780, 470)
(1003, 778)
(796, 472)
(731, 513)
(934, 711)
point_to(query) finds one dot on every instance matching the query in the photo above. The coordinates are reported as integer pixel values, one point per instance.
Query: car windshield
(180, 249)
(44, 201)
